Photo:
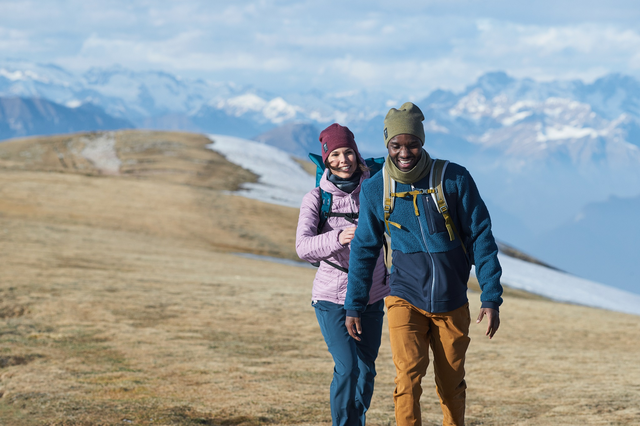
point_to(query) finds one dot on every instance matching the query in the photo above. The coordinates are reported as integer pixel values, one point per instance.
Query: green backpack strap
(438, 169)
(388, 198)
(388, 204)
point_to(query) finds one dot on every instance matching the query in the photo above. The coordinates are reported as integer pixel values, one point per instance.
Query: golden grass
(121, 303)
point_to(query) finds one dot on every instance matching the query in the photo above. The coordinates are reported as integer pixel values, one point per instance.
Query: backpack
(326, 198)
(436, 178)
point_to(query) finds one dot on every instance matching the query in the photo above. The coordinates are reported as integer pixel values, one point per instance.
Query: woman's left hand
(346, 235)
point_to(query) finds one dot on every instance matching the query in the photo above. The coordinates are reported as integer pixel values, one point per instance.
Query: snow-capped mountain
(543, 150)
(146, 97)
(29, 80)
(520, 123)
(151, 93)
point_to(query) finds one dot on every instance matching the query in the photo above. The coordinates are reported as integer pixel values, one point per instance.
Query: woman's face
(342, 162)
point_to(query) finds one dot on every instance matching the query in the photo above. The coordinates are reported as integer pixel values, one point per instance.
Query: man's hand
(493, 316)
(346, 235)
(353, 327)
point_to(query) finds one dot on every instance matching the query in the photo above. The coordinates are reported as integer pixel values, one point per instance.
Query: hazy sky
(403, 48)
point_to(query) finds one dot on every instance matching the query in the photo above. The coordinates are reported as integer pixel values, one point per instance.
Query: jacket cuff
(354, 314)
(338, 238)
(337, 244)
(491, 305)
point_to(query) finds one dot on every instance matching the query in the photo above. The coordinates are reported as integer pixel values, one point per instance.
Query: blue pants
(355, 369)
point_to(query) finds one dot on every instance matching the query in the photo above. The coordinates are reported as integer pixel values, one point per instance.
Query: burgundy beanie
(334, 137)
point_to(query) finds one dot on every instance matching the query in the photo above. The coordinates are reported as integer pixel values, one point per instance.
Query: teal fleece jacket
(429, 271)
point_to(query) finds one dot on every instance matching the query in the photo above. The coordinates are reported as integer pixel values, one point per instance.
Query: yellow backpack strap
(390, 195)
(414, 193)
(436, 181)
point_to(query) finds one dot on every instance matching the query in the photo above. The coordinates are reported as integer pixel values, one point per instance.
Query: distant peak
(492, 83)
(615, 80)
(496, 77)
(96, 75)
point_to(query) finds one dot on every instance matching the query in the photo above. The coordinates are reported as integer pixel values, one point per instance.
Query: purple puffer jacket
(330, 284)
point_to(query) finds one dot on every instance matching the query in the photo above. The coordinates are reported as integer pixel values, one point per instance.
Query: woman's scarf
(412, 176)
(347, 185)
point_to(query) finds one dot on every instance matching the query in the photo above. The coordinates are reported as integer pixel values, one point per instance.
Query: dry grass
(121, 303)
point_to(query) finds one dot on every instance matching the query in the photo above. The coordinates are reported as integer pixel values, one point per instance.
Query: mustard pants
(412, 331)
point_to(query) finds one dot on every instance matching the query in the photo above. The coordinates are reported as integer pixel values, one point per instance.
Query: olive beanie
(406, 120)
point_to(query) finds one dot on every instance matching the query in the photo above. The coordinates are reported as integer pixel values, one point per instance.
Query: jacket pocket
(435, 220)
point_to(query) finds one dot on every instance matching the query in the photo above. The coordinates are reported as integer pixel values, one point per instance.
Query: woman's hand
(346, 235)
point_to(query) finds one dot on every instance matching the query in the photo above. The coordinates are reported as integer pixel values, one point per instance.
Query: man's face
(404, 151)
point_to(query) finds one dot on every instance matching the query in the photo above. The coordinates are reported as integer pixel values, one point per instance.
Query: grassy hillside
(149, 183)
(121, 303)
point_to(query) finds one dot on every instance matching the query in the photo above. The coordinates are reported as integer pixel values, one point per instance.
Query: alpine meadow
(127, 297)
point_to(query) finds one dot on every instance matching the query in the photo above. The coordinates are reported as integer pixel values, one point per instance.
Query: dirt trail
(121, 303)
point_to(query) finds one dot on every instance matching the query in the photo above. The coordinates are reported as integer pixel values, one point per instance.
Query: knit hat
(334, 137)
(406, 120)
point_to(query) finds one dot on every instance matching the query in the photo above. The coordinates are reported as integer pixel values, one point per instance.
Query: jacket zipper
(353, 207)
(433, 265)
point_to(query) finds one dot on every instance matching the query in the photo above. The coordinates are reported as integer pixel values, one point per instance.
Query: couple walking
(425, 292)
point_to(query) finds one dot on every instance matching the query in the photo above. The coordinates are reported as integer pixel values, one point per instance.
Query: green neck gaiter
(412, 176)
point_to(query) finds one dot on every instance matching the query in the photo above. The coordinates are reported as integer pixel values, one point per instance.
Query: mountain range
(36, 116)
(550, 158)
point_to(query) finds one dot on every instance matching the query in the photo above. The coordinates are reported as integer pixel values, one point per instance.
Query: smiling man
(432, 258)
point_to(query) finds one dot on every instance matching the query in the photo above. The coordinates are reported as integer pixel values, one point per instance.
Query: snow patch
(563, 287)
(278, 111)
(281, 180)
(23, 76)
(568, 132)
(102, 153)
(516, 117)
(244, 103)
(12, 75)
(474, 104)
(434, 127)
(518, 105)
(74, 103)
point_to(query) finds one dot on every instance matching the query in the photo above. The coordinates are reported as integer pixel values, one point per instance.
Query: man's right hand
(354, 327)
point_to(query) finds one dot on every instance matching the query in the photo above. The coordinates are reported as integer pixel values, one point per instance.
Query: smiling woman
(327, 244)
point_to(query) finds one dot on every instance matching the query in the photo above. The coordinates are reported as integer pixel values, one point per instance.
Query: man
(428, 304)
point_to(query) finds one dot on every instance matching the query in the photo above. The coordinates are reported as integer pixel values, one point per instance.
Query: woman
(354, 371)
